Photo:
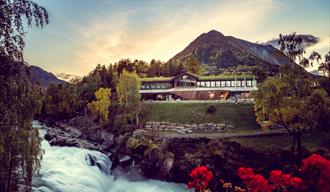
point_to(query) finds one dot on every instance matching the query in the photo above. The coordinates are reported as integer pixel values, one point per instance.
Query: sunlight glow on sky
(83, 33)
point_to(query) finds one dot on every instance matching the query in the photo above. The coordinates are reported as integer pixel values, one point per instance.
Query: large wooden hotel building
(188, 86)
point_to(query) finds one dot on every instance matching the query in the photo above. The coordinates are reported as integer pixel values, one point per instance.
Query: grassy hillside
(239, 115)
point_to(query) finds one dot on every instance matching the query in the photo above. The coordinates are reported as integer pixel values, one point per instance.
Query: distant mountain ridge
(67, 77)
(43, 77)
(219, 51)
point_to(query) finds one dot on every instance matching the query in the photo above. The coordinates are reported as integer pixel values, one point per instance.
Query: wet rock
(90, 159)
(125, 161)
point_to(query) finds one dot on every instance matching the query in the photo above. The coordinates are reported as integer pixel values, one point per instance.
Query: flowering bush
(284, 182)
(254, 182)
(201, 177)
(315, 169)
(317, 172)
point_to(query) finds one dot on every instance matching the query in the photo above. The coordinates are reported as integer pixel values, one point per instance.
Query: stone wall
(187, 128)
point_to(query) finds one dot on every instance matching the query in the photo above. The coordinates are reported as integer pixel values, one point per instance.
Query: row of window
(156, 86)
(239, 83)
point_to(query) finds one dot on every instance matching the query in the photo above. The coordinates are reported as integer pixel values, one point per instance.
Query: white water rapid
(67, 169)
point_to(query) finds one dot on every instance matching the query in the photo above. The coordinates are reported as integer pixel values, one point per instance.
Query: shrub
(201, 176)
(211, 109)
(317, 172)
(253, 182)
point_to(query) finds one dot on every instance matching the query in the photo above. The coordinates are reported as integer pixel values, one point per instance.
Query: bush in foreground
(314, 171)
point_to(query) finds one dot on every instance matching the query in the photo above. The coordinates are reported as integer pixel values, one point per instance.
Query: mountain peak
(212, 35)
(217, 51)
(214, 32)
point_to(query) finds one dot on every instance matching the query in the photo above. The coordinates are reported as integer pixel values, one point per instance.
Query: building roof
(156, 79)
(205, 78)
(225, 77)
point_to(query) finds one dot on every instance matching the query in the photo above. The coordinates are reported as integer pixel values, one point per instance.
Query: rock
(90, 159)
(125, 161)
(71, 142)
(230, 126)
(180, 131)
(189, 131)
(60, 141)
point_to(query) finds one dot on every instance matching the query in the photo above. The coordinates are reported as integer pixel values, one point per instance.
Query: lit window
(227, 83)
(212, 83)
(218, 84)
(207, 84)
(233, 83)
(223, 83)
(243, 83)
(248, 83)
(238, 83)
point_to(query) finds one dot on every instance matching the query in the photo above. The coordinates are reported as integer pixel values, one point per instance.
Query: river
(67, 169)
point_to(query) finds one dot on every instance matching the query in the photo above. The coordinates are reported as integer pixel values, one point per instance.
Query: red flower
(296, 182)
(201, 177)
(254, 182)
(284, 182)
(317, 170)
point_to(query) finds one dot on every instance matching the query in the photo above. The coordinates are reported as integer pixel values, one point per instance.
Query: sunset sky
(83, 33)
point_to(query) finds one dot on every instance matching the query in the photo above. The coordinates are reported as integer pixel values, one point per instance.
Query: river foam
(68, 169)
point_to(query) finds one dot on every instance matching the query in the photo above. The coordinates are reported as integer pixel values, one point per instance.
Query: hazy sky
(83, 33)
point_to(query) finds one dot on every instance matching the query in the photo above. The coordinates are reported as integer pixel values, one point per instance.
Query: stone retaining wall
(187, 128)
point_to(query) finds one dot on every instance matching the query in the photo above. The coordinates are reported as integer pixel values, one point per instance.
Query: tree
(100, 107)
(291, 45)
(171, 68)
(20, 100)
(60, 101)
(192, 65)
(325, 66)
(12, 15)
(315, 56)
(291, 102)
(155, 68)
(20, 151)
(128, 93)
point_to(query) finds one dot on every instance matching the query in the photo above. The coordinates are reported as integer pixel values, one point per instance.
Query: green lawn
(239, 115)
(311, 141)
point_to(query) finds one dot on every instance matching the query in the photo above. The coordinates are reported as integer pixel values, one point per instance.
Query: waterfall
(72, 169)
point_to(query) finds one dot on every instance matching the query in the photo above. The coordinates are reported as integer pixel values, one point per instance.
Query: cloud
(307, 41)
(163, 30)
(310, 44)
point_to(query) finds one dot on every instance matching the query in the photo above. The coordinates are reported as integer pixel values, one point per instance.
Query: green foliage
(155, 68)
(87, 87)
(325, 66)
(20, 100)
(290, 101)
(192, 65)
(290, 45)
(140, 140)
(128, 92)
(100, 107)
(12, 15)
(60, 101)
